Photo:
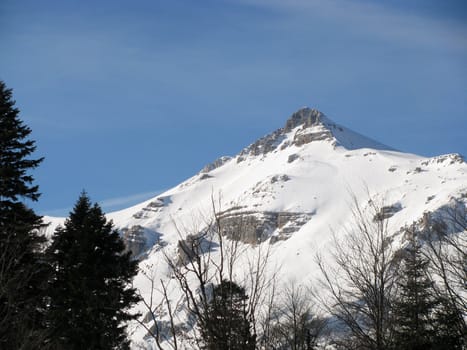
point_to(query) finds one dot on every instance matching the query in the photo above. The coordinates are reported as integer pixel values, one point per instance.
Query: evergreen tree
(21, 271)
(226, 325)
(448, 335)
(423, 318)
(416, 302)
(90, 291)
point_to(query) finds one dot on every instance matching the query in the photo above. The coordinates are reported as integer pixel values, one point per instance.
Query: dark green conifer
(21, 271)
(415, 303)
(447, 319)
(226, 325)
(423, 319)
(90, 290)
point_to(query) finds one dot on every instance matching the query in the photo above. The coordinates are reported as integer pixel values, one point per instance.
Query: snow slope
(297, 183)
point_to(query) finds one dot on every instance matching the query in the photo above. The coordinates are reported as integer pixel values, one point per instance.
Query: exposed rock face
(134, 239)
(305, 136)
(205, 176)
(388, 211)
(187, 249)
(138, 240)
(250, 227)
(314, 128)
(293, 157)
(153, 207)
(216, 164)
(304, 116)
(280, 178)
(254, 227)
(308, 118)
(448, 219)
(446, 159)
(289, 223)
(264, 145)
(192, 246)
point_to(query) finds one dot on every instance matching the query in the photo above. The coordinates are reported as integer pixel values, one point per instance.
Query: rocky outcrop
(187, 249)
(216, 164)
(254, 227)
(304, 136)
(139, 240)
(205, 176)
(448, 219)
(280, 178)
(248, 227)
(306, 117)
(387, 211)
(194, 245)
(447, 159)
(134, 239)
(264, 145)
(289, 223)
(293, 157)
(153, 207)
(314, 128)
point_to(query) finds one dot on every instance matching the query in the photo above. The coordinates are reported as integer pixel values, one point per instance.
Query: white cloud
(378, 21)
(114, 203)
(128, 200)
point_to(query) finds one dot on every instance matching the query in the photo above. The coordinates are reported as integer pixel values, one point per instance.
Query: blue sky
(128, 98)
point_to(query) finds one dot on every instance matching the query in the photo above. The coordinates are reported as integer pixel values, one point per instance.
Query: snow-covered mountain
(294, 186)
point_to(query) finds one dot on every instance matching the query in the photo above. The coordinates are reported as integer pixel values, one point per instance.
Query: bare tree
(447, 251)
(159, 305)
(258, 280)
(205, 259)
(360, 280)
(294, 324)
(267, 316)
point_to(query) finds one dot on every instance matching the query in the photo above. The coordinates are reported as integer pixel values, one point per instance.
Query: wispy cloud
(110, 204)
(121, 202)
(379, 21)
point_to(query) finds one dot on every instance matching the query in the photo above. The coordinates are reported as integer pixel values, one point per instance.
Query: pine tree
(423, 317)
(21, 271)
(416, 301)
(448, 335)
(90, 291)
(226, 325)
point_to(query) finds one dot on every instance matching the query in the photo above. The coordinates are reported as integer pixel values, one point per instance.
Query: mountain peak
(305, 126)
(304, 116)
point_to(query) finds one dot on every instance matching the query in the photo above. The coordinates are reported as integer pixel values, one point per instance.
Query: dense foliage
(89, 289)
(414, 322)
(21, 270)
(226, 325)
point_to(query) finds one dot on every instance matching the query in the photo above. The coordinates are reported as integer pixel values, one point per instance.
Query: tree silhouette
(226, 325)
(90, 291)
(21, 270)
